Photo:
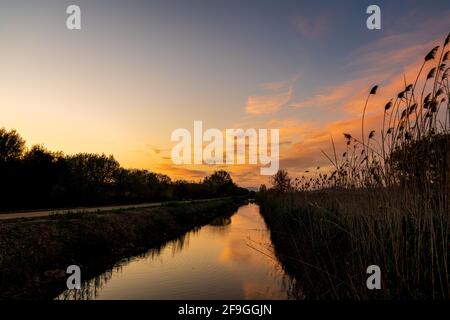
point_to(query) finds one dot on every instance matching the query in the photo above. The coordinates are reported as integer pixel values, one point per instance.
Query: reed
(385, 202)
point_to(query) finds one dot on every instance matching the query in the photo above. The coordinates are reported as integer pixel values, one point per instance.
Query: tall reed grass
(386, 201)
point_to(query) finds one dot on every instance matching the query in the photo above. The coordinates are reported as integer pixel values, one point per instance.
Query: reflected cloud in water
(231, 258)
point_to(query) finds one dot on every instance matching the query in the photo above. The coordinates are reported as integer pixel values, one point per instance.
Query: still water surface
(231, 258)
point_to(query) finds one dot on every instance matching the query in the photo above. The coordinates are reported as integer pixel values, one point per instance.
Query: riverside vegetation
(34, 253)
(385, 202)
(32, 178)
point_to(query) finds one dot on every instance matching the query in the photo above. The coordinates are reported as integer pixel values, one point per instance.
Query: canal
(230, 258)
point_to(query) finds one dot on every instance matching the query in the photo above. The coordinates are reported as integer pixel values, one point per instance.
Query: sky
(137, 70)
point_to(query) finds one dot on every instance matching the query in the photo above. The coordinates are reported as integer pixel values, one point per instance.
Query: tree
(38, 178)
(220, 183)
(12, 145)
(91, 177)
(94, 168)
(281, 181)
(219, 178)
(39, 174)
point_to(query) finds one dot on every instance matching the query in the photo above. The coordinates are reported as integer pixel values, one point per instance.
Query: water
(231, 258)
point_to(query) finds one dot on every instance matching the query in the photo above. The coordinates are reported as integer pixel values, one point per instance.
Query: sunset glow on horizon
(136, 72)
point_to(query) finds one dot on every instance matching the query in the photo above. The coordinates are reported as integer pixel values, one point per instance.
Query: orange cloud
(309, 138)
(268, 104)
(302, 141)
(328, 96)
(181, 172)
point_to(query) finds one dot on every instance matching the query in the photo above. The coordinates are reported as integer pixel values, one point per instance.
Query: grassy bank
(34, 253)
(327, 239)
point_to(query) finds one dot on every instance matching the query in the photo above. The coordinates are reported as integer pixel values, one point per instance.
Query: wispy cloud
(182, 172)
(276, 95)
(327, 96)
(268, 104)
(275, 86)
(153, 149)
(381, 63)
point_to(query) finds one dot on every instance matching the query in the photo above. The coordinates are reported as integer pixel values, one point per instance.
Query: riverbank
(34, 253)
(49, 212)
(327, 239)
(222, 260)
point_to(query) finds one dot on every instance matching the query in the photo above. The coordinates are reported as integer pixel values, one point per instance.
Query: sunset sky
(140, 69)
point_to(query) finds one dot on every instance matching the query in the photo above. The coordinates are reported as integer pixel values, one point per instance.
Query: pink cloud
(269, 103)
(388, 68)
(327, 96)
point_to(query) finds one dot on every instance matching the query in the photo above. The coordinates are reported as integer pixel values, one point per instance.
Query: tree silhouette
(39, 178)
(281, 181)
(12, 145)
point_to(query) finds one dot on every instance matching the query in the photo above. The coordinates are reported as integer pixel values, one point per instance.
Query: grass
(327, 239)
(385, 202)
(34, 253)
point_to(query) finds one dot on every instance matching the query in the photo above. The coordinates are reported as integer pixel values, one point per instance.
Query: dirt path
(44, 213)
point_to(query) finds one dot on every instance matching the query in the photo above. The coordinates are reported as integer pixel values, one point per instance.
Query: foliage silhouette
(38, 178)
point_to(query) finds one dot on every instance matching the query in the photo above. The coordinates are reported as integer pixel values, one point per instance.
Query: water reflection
(221, 221)
(231, 258)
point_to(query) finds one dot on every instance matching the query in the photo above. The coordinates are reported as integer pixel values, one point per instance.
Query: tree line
(35, 177)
